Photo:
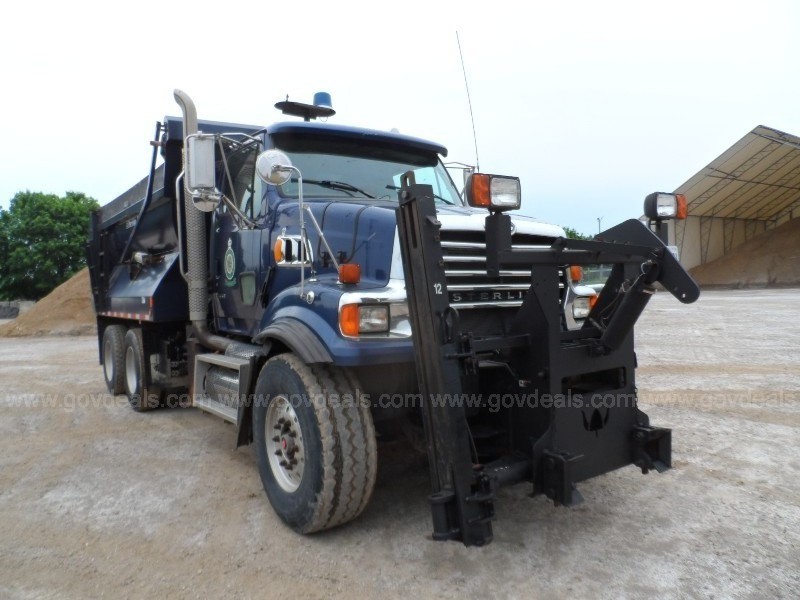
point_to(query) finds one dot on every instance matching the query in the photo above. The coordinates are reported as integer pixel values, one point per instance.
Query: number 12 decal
(437, 289)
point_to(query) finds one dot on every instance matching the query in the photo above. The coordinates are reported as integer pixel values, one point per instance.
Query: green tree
(42, 239)
(575, 235)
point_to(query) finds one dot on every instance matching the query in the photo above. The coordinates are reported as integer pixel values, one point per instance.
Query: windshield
(365, 177)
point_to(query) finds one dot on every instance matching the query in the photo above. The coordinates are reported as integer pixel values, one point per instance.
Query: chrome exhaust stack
(196, 243)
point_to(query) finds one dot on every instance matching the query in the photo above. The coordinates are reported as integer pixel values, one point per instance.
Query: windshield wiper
(336, 185)
(435, 195)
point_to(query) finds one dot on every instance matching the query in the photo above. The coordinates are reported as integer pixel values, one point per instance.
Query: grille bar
(488, 286)
(482, 273)
(464, 254)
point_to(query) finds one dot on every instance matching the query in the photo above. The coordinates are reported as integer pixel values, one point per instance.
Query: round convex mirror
(274, 167)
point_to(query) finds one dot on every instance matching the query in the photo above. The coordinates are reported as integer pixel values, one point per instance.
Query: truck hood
(365, 233)
(463, 218)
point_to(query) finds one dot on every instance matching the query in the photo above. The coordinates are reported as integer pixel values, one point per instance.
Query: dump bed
(141, 224)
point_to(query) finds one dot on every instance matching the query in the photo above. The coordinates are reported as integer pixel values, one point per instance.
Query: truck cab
(272, 281)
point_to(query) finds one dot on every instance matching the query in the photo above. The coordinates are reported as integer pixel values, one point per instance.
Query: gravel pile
(769, 259)
(67, 310)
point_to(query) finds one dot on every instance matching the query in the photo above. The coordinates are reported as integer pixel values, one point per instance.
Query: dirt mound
(67, 310)
(769, 259)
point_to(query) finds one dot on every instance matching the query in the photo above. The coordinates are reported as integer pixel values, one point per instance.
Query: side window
(240, 182)
(245, 186)
(259, 197)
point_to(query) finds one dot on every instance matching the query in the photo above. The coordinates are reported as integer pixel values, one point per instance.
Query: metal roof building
(752, 187)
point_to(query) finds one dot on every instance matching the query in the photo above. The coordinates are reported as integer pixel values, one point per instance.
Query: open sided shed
(751, 188)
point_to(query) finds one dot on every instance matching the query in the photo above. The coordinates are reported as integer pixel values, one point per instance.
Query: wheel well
(297, 337)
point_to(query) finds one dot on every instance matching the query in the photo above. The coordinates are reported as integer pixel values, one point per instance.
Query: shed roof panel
(756, 178)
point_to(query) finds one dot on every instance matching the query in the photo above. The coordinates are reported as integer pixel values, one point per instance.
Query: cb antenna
(469, 101)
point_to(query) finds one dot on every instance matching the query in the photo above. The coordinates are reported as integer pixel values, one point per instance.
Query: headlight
(355, 319)
(372, 319)
(495, 192)
(581, 306)
(661, 206)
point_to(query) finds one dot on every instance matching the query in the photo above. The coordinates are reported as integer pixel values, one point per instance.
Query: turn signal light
(478, 191)
(277, 251)
(349, 273)
(348, 319)
(683, 208)
(575, 273)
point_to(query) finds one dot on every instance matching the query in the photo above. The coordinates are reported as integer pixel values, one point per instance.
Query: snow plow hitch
(555, 406)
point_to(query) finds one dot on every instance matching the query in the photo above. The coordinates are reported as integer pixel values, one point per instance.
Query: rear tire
(315, 444)
(141, 397)
(114, 358)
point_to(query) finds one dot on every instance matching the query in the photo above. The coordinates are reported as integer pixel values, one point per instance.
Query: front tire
(114, 358)
(140, 397)
(315, 444)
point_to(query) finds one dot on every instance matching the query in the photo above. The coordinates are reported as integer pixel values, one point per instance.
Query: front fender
(297, 336)
(311, 330)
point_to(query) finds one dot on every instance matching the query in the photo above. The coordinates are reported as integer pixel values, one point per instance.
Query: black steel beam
(461, 499)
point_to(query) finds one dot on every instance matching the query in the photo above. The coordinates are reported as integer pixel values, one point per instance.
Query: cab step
(221, 384)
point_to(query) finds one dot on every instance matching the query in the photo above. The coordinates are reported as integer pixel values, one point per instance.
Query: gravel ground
(97, 501)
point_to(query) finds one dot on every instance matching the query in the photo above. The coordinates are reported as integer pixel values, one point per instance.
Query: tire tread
(116, 334)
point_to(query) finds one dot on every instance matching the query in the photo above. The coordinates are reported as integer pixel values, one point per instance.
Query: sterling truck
(322, 287)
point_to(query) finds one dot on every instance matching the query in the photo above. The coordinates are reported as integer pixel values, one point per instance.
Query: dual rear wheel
(124, 367)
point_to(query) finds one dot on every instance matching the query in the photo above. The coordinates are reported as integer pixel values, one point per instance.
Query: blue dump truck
(323, 287)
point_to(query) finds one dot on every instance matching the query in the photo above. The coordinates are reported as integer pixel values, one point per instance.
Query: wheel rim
(131, 377)
(108, 361)
(285, 447)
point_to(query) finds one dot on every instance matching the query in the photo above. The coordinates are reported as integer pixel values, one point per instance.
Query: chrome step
(240, 378)
(206, 404)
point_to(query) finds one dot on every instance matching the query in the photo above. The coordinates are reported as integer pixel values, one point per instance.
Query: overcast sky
(592, 104)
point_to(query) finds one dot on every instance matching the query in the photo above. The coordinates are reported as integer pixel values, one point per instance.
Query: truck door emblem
(229, 265)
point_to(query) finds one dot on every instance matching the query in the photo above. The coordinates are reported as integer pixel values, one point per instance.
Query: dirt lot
(97, 501)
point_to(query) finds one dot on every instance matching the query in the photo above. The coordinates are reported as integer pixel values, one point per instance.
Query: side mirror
(200, 162)
(274, 167)
(199, 171)
(495, 192)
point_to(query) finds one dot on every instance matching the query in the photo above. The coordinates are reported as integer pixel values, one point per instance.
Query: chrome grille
(469, 287)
